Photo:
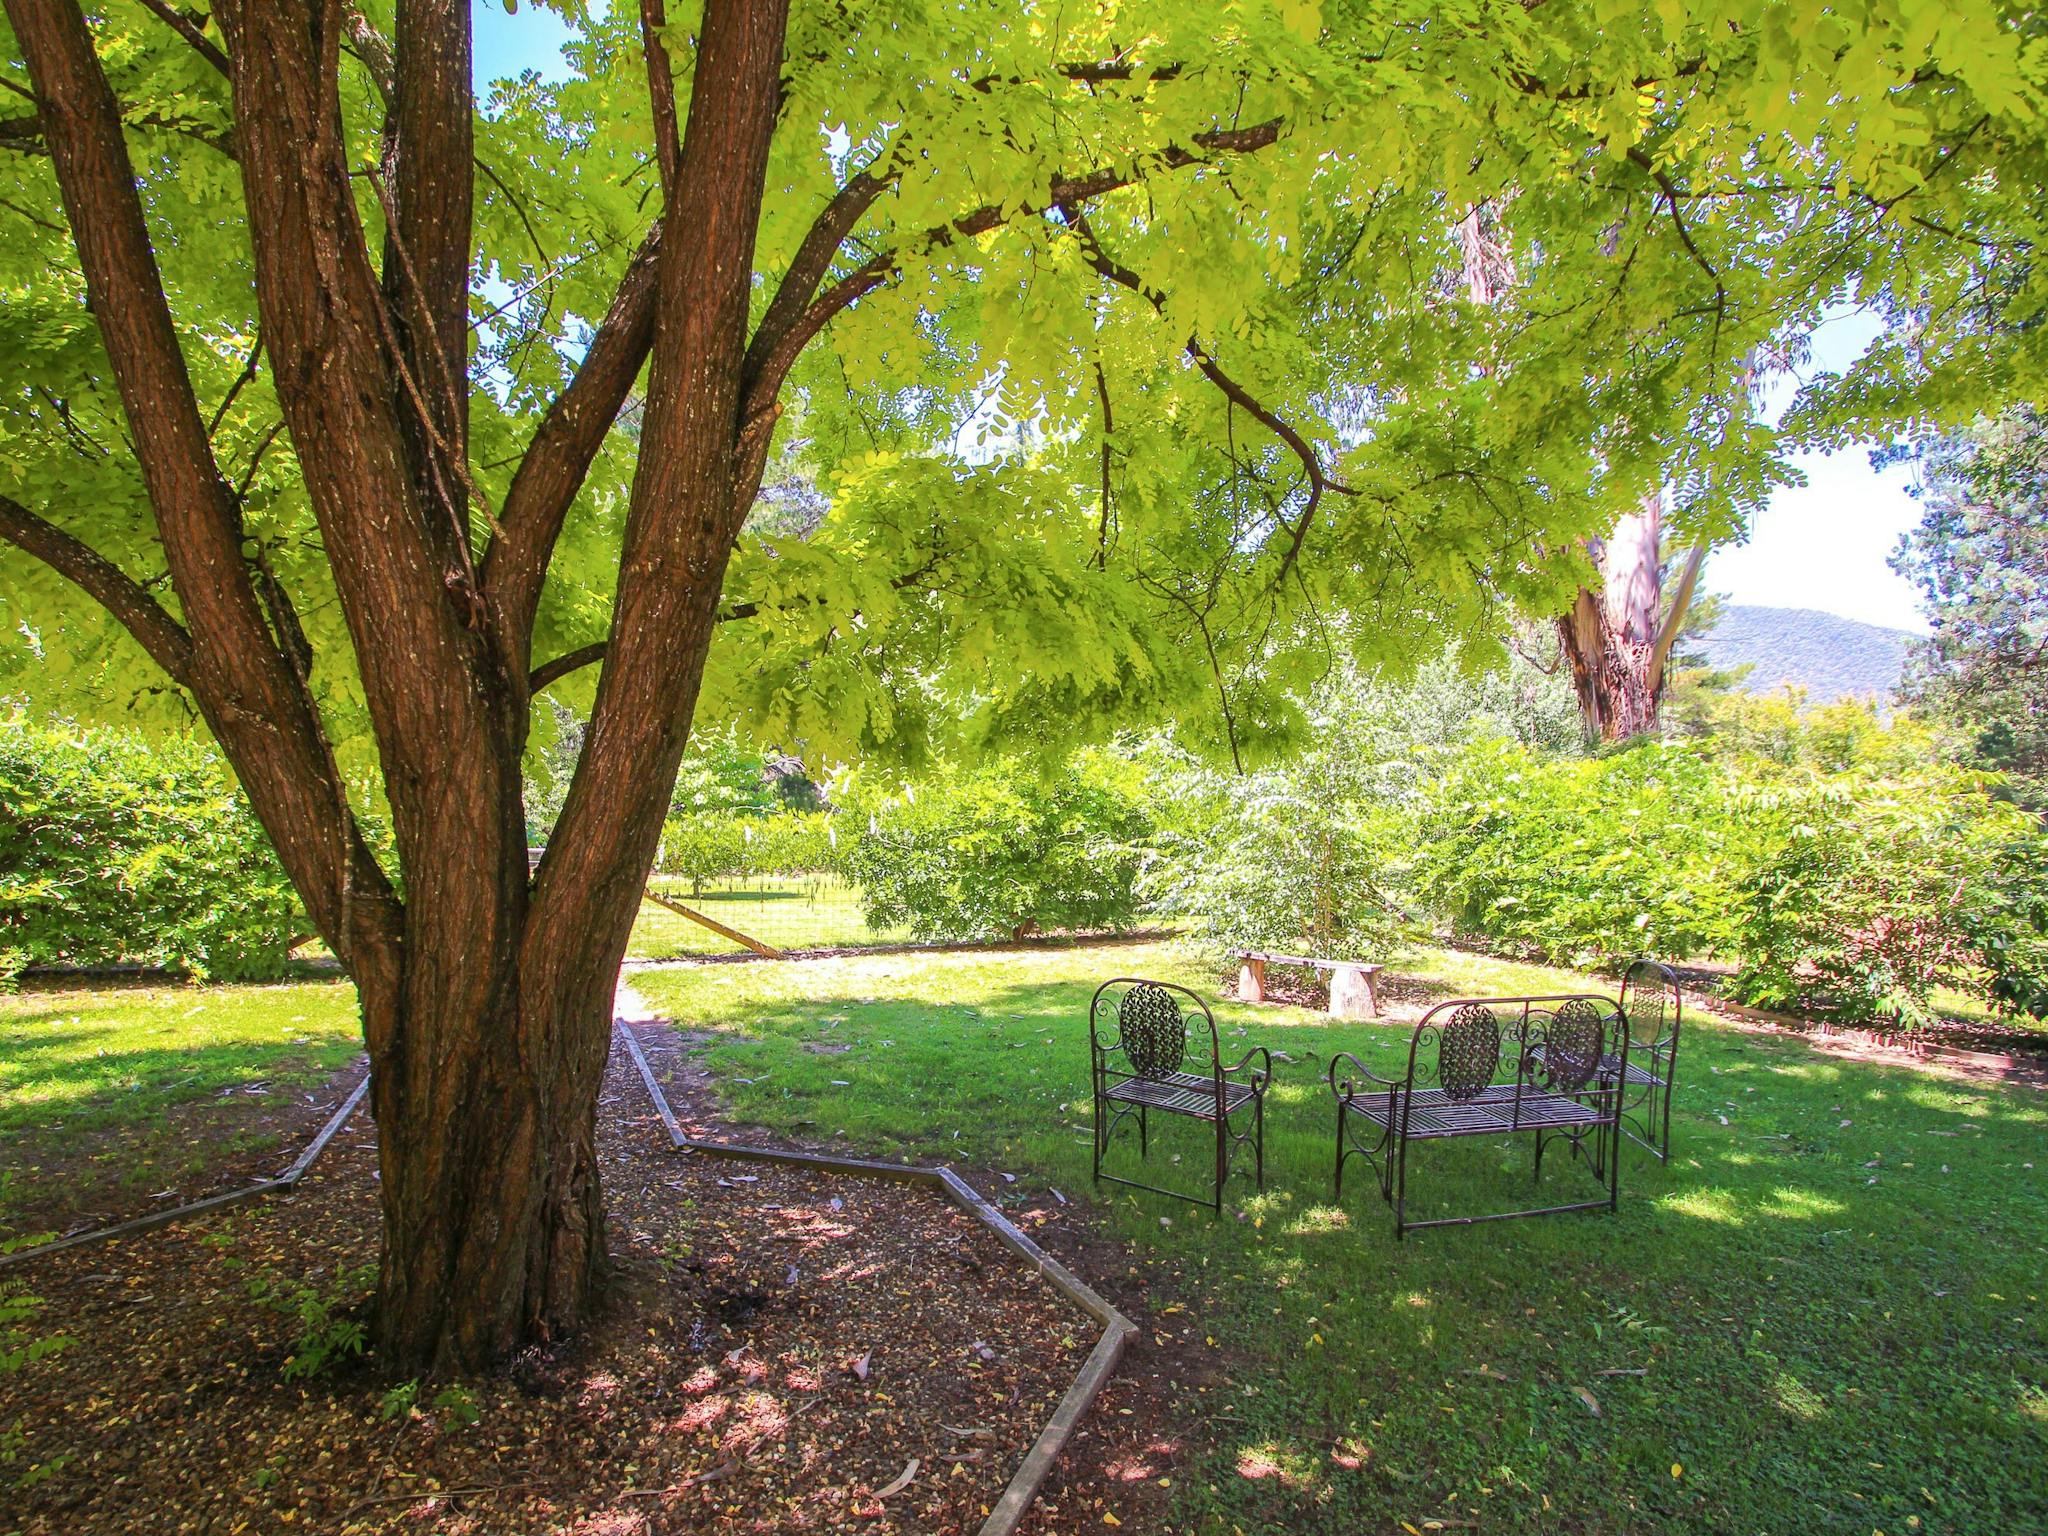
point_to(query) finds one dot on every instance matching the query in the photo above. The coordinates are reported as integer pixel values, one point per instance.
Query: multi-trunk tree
(1126, 347)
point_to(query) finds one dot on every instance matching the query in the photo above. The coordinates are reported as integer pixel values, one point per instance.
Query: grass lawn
(76, 1063)
(782, 911)
(1824, 1316)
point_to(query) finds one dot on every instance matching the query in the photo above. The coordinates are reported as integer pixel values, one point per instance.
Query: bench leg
(1351, 994)
(1251, 981)
(1144, 1147)
(1400, 1188)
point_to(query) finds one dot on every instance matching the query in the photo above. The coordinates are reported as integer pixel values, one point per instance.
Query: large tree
(1129, 354)
(1980, 558)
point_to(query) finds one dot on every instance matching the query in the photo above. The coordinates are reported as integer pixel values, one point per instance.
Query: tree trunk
(1610, 636)
(493, 1215)
(1618, 640)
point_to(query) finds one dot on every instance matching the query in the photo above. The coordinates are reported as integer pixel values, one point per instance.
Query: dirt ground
(782, 1348)
(190, 1151)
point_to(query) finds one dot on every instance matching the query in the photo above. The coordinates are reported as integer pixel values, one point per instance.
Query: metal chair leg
(1401, 1197)
(1337, 1183)
(1222, 1160)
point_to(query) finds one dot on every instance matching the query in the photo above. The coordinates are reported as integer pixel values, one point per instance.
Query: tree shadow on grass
(1836, 1249)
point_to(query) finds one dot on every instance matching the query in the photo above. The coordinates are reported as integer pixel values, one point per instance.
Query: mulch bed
(1126, 1456)
(781, 1346)
(190, 1151)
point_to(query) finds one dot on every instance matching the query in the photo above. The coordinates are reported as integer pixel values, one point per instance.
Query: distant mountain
(1830, 657)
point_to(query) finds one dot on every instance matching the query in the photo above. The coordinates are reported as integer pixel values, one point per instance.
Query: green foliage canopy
(1166, 388)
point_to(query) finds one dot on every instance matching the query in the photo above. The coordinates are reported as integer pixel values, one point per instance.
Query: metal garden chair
(1147, 1058)
(1651, 1004)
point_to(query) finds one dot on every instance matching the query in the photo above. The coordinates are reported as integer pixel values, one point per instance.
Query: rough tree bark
(1618, 640)
(486, 995)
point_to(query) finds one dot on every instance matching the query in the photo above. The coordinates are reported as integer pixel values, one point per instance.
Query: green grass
(76, 1063)
(1833, 1295)
(782, 911)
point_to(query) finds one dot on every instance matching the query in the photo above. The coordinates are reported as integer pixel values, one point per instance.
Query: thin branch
(241, 382)
(189, 28)
(570, 661)
(166, 640)
(1108, 431)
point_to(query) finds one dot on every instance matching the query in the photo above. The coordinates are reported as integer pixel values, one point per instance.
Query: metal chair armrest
(1346, 1089)
(1265, 1074)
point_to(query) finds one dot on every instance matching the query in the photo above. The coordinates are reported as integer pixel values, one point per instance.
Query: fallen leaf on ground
(902, 1480)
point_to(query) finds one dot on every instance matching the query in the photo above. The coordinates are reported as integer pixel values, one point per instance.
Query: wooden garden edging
(1095, 1372)
(300, 1166)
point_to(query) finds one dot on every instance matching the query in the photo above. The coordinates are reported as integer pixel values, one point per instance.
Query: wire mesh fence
(682, 916)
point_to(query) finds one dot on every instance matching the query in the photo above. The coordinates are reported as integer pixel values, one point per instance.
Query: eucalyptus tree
(349, 411)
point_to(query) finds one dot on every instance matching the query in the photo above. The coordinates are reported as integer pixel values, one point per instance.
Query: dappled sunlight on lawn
(1801, 1205)
(1703, 1205)
(1589, 1354)
(92, 1058)
(1319, 1221)
(1795, 1398)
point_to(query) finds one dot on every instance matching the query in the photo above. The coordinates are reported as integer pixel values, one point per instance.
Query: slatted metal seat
(1181, 1093)
(1554, 1067)
(1147, 1057)
(1430, 1113)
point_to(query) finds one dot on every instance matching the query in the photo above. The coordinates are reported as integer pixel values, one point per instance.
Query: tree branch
(430, 223)
(1319, 480)
(190, 29)
(130, 603)
(661, 94)
(1674, 620)
(559, 456)
(800, 317)
(570, 661)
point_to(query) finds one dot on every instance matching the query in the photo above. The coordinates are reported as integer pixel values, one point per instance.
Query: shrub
(1302, 857)
(1576, 859)
(1842, 876)
(1860, 893)
(117, 849)
(702, 848)
(997, 850)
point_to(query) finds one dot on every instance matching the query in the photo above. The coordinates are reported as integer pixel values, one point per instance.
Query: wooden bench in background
(1354, 985)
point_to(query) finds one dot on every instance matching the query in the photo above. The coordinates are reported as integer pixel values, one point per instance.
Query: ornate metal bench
(1139, 1042)
(1491, 1066)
